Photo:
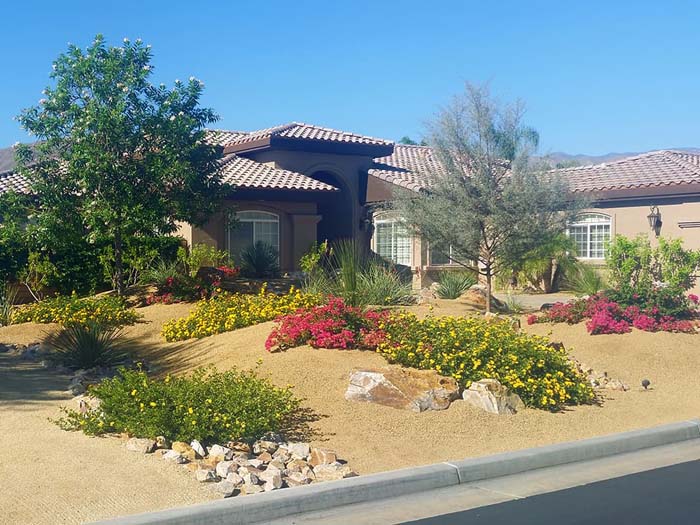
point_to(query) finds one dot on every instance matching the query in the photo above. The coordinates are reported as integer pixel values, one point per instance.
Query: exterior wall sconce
(655, 220)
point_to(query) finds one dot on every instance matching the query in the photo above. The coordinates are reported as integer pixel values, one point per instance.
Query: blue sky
(596, 76)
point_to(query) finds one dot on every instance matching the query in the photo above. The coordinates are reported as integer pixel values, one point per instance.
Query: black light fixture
(655, 219)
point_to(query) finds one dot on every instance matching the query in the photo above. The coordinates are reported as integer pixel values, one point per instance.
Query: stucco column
(303, 235)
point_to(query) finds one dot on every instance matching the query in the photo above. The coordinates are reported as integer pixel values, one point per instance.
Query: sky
(596, 77)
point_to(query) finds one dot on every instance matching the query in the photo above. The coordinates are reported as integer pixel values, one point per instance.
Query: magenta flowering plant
(331, 325)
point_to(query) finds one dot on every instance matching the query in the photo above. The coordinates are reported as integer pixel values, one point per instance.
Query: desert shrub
(260, 260)
(470, 349)
(585, 280)
(88, 345)
(211, 406)
(347, 271)
(8, 296)
(226, 312)
(381, 285)
(72, 310)
(332, 325)
(607, 316)
(453, 284)
(202, 255)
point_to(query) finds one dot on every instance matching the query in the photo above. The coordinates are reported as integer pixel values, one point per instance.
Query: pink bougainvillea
(606, 316)
(332, 325)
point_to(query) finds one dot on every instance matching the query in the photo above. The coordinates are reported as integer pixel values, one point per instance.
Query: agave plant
(86, 346)
(585, 280)
(260, 260)
(453, 284)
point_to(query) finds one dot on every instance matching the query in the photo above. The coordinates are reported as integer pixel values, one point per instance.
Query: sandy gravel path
(50, 476)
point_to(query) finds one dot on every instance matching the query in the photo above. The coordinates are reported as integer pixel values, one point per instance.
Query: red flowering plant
(331, 325)
(174, 285)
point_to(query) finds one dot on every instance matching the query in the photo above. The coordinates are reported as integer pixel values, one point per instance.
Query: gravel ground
(372, 438)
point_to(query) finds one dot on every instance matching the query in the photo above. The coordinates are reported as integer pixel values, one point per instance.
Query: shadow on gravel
(25, 382)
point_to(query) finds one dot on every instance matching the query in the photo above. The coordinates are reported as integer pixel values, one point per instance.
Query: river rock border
(238, 468)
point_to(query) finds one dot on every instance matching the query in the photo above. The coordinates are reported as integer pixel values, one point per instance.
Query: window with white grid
(392, 240)
(253, 226)
(590, 233)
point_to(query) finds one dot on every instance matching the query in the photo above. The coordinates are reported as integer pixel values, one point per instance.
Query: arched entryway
(337, 209)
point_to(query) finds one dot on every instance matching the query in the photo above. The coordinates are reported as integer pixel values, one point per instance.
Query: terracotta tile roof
(222, 137)
(649, 170)
(409, 166)
(246, 173)
(299, 130)
(11, 181)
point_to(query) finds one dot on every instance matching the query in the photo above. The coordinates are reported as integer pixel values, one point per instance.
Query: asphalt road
(664, 496)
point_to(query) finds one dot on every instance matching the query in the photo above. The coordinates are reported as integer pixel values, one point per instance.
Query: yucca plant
(8, 297)
(452, 284)
(382, 286)
(260, 260)
(86, 346)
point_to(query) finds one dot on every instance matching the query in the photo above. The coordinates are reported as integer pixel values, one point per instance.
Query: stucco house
(299, 183)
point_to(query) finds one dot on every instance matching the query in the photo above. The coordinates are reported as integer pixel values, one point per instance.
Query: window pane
(393, 242)
(403, 245)
(439, 255)
(579, 234)
(267, 232)
(383, 242)
(240, 238)
(600, 235)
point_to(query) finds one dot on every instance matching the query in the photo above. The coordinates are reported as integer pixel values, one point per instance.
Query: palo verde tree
(123, 157)
(490, 204)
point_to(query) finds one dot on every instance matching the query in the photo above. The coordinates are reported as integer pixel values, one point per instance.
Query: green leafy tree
(491, 203)
(120, 157)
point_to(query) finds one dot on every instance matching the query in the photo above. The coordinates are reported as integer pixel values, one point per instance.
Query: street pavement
(669, 495)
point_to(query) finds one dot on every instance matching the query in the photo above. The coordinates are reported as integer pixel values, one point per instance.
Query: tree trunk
(118, 263)
(487, 271)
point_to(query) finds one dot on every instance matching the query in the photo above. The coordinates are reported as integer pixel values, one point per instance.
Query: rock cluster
(476, 297)
(600, 380)
(490, 395)
(239, 468)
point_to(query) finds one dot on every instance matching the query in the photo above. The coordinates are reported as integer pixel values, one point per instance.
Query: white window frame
(394, 221)
(588, 220)
(240, 217)
(449, 256)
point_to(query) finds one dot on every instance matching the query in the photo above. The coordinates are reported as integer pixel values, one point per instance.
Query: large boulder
(476, 297)
(405, 388)
(492, 396)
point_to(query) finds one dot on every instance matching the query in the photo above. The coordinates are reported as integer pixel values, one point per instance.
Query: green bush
(384, 286)
(210, 406)
(453, 284)
(202, 255)
(86, 346)
(260, 260)
(469, 349)
(71, 310)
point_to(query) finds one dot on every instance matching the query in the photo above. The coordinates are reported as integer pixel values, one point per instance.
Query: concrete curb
(272, 505)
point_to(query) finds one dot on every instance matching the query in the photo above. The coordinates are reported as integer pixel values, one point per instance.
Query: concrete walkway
(438, 504)
(49, 476)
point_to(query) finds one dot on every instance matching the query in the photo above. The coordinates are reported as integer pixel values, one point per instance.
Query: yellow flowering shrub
(74, 310)
(229, 311)
(211, 406)
(470, 349)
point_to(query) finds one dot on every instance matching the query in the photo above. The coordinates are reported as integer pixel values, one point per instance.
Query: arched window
(591, 233)
(251, 227)
(392, 240)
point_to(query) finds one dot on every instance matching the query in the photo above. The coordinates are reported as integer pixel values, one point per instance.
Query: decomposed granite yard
(56, 476)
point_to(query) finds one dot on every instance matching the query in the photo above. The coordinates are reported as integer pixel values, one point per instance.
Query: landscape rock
(235, 478)
(272, 480)
(239, 446)
(204, 475)
(492, 396)
(174, 456)
(512, 322)
(142, 445)
(322, 456)
(198, 448)
(225, 488)
(161, 442)
(249, 478)
(184, 449)
(332, 472)
(296, 465)
(251, 489)
(298, 450)
(296, 479)
(265, 446)
(404, 388)
(220, 451)
(223, 468)
(265, 457)
(476, 297)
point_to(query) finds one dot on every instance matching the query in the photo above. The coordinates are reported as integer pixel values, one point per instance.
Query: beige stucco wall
(297, 228)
